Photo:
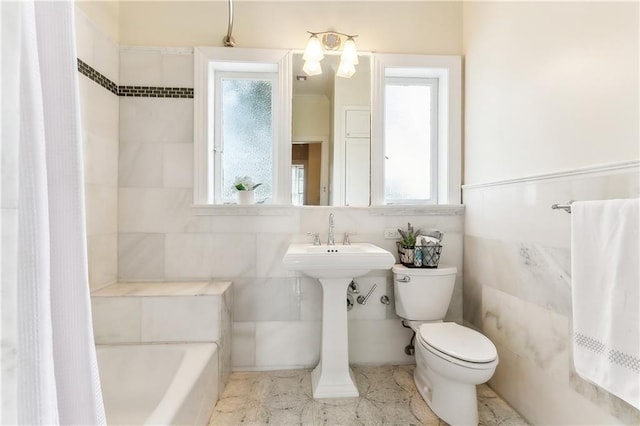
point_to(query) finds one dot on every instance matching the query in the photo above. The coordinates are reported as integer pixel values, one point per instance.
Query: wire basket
(419, 256)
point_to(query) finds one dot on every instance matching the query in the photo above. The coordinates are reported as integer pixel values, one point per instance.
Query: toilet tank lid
(458, 341)
(429, 272)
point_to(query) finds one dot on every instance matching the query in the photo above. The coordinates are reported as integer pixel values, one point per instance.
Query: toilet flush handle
(404, 279)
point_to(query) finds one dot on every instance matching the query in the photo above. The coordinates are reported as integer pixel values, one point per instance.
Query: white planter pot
(245, 197)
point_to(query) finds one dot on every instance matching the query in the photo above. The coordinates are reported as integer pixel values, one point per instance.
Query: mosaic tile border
(94, 75)
(156, 92)
(133, 91)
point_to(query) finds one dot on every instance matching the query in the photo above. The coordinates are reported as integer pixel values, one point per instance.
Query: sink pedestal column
(332, 378)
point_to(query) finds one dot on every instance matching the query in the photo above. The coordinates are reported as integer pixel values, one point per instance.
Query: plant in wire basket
(406, 245)
(408, 239)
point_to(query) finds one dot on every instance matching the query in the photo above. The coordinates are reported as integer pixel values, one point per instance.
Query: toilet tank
(423, 294)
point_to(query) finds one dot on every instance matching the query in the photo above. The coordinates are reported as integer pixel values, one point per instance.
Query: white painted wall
(549, 86)
(104, 15)
(382, 26)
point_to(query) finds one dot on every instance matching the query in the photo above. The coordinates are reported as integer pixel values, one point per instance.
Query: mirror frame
(448, 68)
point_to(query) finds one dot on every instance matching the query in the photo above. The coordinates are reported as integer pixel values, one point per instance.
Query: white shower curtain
(49, 369)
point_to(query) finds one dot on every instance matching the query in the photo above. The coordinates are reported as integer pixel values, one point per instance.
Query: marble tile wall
(177, 312)
(161, 237)
(517, 290)
(100, 132)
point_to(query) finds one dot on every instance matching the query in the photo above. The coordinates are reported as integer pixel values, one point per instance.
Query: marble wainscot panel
(100, 132)
(136, 312)
(292, 302)
(517, 290)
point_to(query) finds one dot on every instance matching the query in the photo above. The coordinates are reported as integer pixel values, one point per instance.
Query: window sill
(241, 210)
(418, 210)
(288, 210)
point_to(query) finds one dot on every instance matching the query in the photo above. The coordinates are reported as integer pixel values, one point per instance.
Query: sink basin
(336, 261)
(335, 266)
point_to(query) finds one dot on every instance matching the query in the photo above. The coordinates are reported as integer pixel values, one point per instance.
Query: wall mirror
(331, 134)
(331, 140)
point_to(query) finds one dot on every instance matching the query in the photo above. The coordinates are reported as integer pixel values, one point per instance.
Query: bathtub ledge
(163, 288)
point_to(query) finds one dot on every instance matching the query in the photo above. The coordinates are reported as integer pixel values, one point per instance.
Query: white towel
(605, 279)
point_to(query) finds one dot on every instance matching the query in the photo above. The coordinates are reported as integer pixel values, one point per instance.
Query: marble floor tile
(388, 396)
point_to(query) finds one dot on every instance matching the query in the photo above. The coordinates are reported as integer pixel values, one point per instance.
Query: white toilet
(450, 359)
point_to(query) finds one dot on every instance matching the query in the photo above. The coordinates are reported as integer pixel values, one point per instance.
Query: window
(416, 125)
(411, 140)
(243, 136)
(242, 124)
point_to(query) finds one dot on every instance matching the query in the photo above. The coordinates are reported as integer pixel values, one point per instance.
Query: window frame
(448, 70)
(216, 146)
(208, 61)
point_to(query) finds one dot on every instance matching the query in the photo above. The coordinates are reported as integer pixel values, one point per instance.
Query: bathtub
(158, 384)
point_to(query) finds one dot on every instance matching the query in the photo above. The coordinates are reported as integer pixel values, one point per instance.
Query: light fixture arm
(333, 32)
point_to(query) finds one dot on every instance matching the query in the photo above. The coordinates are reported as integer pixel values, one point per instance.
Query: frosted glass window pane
(247, 135)
(407, 142)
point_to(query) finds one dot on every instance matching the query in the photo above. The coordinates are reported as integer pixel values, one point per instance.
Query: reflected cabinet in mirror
(330, 134)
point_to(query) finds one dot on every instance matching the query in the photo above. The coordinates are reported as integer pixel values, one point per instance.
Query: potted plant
(244, 186)
(407, 244)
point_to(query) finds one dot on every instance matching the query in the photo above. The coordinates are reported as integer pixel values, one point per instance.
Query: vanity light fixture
(331, 40)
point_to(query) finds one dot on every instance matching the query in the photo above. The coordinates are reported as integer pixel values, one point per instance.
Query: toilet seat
(458, 344)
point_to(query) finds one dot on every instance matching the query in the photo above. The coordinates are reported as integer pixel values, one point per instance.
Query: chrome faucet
(331, 239)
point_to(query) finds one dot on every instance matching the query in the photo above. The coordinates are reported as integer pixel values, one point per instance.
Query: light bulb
(346, 69)
(313, 52)
(312, 68)
(349, 51)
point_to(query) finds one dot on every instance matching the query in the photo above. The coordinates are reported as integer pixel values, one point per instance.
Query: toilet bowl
(450, 359)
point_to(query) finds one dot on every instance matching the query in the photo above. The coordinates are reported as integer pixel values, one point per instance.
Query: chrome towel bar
(566, 207)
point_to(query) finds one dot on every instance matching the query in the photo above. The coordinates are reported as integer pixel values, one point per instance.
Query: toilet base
(455, 403)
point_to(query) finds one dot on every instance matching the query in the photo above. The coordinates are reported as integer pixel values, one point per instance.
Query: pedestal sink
(335, 266)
